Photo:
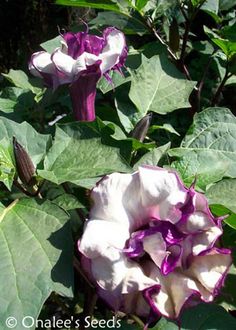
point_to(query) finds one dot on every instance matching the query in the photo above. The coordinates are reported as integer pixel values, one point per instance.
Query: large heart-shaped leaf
(208, 151)
(36, 258)
(158, 86)
(78, 153)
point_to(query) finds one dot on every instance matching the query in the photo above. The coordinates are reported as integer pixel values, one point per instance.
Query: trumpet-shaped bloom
(150, 244)
(81, 61)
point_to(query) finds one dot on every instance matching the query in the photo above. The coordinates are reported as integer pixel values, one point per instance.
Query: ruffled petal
(93, 44)
(41, 62)
(64, 63)
(100, 235)
(75, 43)
(113, 271)
(114, 48)
(210, 269)
(117, 198)
(172, 292)
(162, 192)
(205, 240)
(155, 246)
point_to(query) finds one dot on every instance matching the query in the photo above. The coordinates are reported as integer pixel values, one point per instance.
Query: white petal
(90, 59)
(63, 62)
(113, 271)
(198, 221)
(100, 235)
(175, 290)
(42, 62)
(155, 246)
(161, 192)
(112, 51)
(204, 240)
(117, 198)
(209, 269)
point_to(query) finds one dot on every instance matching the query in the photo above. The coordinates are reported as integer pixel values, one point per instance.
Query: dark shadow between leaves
(62, 272)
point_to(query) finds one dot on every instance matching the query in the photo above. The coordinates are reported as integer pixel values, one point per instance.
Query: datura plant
(152, 241)
(81, 61)
(117, 169)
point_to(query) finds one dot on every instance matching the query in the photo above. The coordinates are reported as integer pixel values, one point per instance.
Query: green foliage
(99, 4)
(164, 88)
(223, 193)
(75, 146)
(180, 73)
(35, 257)
(19, 79)
(208, 151)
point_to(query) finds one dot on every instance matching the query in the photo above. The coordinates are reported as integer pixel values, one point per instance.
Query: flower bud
(140, 130)
(24, 164)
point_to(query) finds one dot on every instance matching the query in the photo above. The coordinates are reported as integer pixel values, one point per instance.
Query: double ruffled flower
(81, 61)
(150, 244)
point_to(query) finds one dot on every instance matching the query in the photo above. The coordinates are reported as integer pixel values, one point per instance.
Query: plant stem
(201, 83)
(179, 64)
(216, 97)
(36, 192)
(77, 267)
(153, 29)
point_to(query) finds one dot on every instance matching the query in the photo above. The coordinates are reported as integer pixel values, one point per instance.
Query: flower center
(160, 241)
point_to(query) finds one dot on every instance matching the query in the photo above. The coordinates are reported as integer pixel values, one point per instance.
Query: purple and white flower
(81, 61)
(150, 244)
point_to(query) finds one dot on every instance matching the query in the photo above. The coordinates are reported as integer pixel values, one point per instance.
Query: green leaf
(117, 79)
(140, 4)
(36, 259)
(128, 24)
(78, 153)
(208, 151)
(158, 86)
(211, 6)
(225, 39)
(166, 127)
(16, 100)
(152, 157)
(226, 4)
(68, 202)
(7, 167)
(52, 44)
(34, 143)
(7, 105)
(127, 113)
(20, 79)
(207, 316)
(99, 4)
(227, 299)
(164, 324)
(220, 210)
(224, 193)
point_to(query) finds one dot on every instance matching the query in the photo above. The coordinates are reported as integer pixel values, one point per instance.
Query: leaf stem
(216, 97)
(179, 64)
(153, 29)
(201, 83)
